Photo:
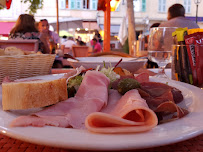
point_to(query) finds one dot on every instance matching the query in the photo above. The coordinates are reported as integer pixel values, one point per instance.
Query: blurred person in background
(96, 46)
(70, 42)
(52, 38)
(176, 18)
(63, 39)
(155, 25)
(80, 42)
(25, 28)
(98, 37)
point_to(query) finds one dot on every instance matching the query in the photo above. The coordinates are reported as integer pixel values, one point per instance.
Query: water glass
(160, 47)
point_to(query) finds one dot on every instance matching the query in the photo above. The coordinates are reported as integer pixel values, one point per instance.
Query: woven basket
(24, 66)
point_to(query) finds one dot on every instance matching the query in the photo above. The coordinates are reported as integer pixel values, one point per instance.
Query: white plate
(171, 132)
(92, 62)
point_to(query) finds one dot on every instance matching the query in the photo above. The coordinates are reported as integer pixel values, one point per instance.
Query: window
(85, 4)
(162, 6)
(187, 6)
(78, 4)
(143, 5)
(93, 5)
(62, 4)
(72, 4)
(139, 5)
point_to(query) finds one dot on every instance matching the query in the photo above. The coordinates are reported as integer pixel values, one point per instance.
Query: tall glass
(160, 47)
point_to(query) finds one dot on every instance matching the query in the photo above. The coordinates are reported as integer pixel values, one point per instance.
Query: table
(8, 144)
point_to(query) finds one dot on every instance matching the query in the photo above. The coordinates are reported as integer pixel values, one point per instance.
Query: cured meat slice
(129, 114)
(156, 93)
(142, 77)
(91, 97)
(170, 107)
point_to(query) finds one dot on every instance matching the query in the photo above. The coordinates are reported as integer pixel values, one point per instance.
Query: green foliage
(34, 5)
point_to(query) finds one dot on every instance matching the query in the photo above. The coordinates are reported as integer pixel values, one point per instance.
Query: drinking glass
(160, 47)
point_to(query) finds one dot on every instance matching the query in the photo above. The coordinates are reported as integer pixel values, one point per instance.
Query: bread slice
(33, 94)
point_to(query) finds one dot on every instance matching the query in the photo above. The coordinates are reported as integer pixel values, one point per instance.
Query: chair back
(26, 45)
(80, 51)
(66, 50)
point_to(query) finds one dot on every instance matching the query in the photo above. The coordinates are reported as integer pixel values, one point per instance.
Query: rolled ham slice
(128, 114)
(90, 97)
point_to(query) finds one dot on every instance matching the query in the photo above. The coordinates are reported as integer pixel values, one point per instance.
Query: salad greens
(73, 85)
(75, 82)
(110, 73)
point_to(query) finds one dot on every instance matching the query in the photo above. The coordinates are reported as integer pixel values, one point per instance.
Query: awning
(90, 25)
(5, 28)
(65, 24)
(114, 29)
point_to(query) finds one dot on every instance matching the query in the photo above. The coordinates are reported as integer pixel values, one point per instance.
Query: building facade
(147, 12)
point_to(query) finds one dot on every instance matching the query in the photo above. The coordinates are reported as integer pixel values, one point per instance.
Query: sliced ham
(129, 114)
(91, 97)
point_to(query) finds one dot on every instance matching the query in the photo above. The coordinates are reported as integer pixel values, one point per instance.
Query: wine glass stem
(161, 70)
(161, 73)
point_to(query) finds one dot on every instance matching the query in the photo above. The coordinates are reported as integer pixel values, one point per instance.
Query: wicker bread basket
(24, 66)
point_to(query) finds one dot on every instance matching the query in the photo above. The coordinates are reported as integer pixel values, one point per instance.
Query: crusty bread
(13, 51)
(29, 52)
(33, 94)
